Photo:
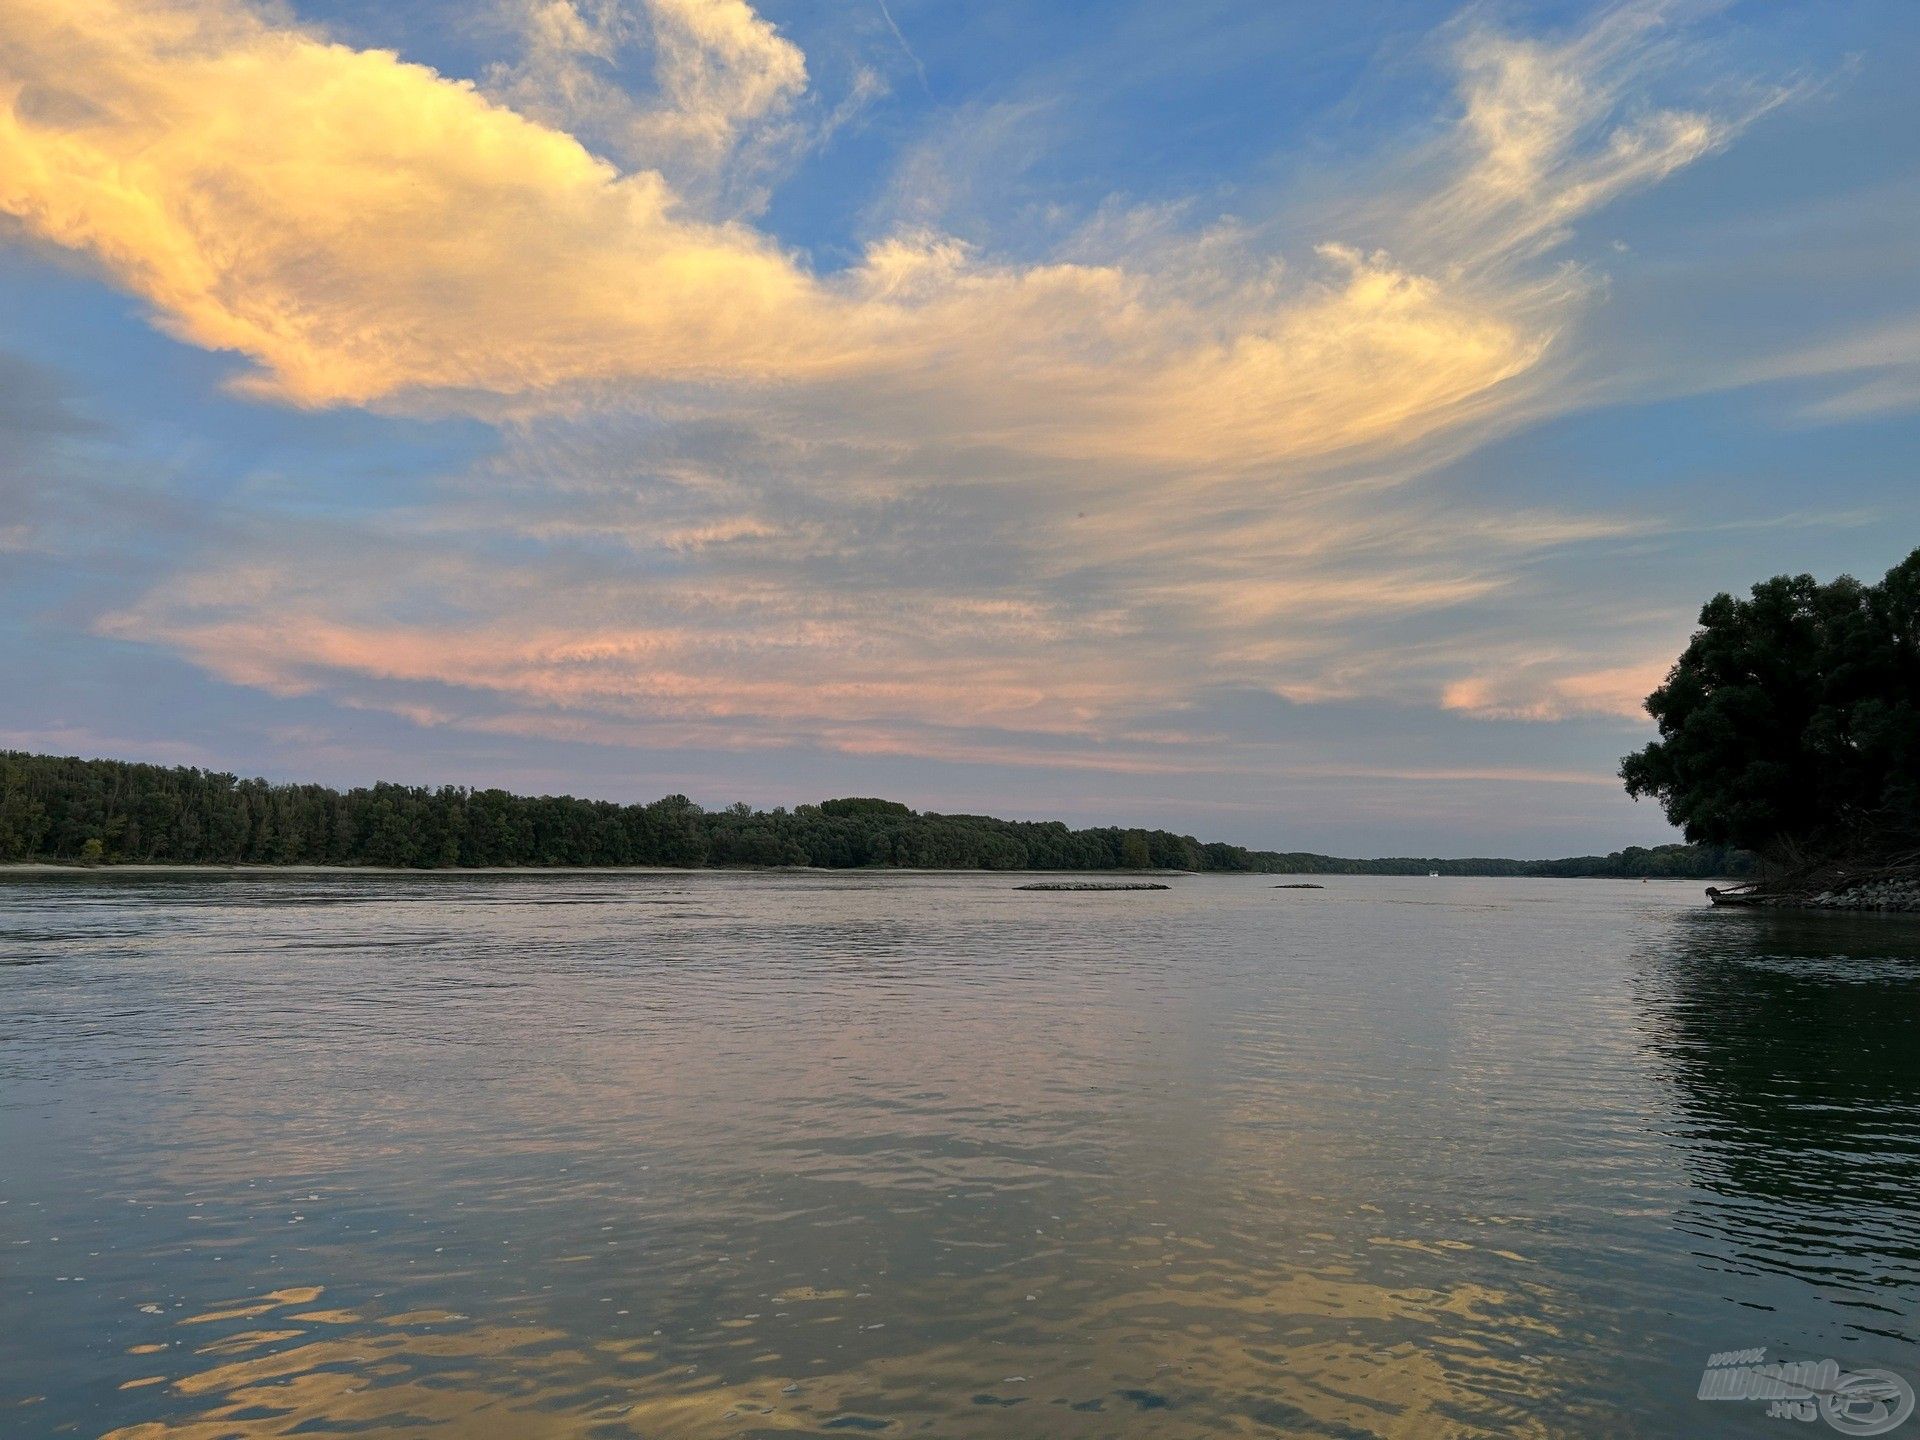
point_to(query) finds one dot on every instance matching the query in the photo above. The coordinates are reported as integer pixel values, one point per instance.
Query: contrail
(894, 26)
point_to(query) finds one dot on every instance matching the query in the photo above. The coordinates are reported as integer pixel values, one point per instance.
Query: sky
(1309, 426)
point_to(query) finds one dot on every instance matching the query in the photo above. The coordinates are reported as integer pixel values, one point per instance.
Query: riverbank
(143, 867)
(27, 868)
(1888, 892)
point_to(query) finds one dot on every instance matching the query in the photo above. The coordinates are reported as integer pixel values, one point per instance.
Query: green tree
(22, 823)
(1792, 721)
(67, 808)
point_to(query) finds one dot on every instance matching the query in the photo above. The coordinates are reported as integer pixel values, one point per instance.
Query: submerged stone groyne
(1093, 885)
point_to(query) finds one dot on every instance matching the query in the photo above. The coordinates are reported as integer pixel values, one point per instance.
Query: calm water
(719, 1155)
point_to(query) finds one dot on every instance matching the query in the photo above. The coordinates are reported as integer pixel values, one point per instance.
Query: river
(726, 1154)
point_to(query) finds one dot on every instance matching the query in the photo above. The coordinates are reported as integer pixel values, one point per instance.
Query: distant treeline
(107, 811)
(1670, 862)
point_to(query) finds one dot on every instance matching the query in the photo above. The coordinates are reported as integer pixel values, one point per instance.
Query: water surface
(910, 1154)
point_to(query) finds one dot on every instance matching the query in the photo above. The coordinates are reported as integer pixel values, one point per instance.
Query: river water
(923, 1154)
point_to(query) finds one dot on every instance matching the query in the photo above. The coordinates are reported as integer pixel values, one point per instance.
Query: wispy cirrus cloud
(1551, 132)
(724, 111)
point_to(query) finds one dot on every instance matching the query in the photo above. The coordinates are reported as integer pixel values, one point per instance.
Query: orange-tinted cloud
(359, 226)
(364, 229)
(1551, 692)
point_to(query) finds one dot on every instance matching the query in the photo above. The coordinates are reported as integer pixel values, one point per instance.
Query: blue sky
(1312, 426)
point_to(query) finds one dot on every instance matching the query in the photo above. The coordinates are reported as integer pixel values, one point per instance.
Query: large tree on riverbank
(1791, 724)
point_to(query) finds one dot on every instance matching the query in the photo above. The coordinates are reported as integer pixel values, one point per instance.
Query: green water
(734, 1155)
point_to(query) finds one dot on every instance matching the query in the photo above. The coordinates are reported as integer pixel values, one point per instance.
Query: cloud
(725, 85)
(1546, 135)
(919, 68)
(1545, 691)
(721, 66)
(940, 502)
(963, 620)
(361, 227)
(1876, 370)
(364, 229)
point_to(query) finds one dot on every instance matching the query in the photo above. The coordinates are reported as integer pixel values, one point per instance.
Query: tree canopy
(1791, 724)
(64, 808)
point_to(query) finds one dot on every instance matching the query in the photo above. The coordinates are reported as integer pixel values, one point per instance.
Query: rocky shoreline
(1899, 894)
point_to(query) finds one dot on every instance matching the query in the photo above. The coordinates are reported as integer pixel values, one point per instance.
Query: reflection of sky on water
(733, 1155)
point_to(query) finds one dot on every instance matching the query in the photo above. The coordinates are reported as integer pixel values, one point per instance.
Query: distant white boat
(1433, 874)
